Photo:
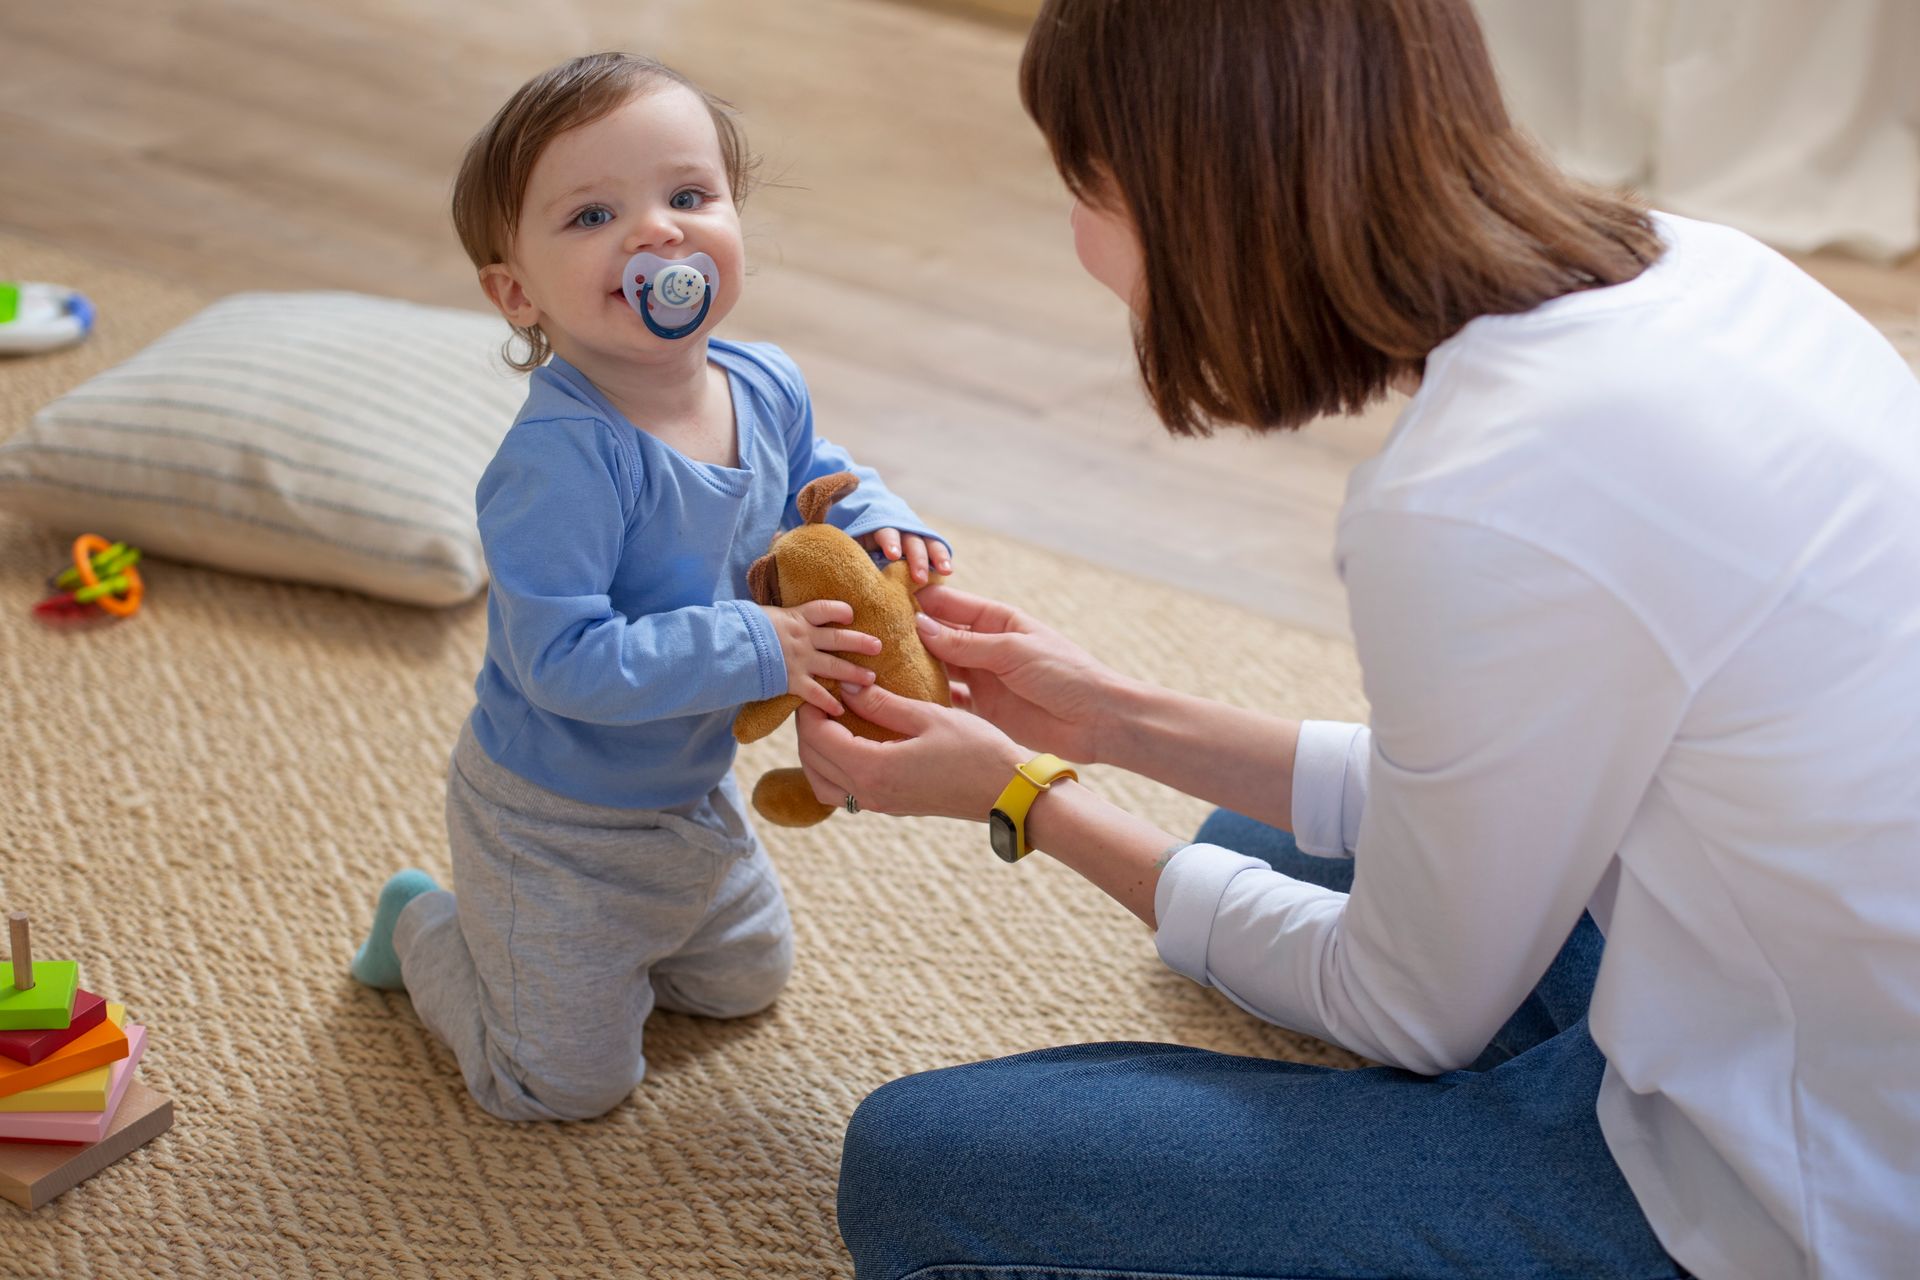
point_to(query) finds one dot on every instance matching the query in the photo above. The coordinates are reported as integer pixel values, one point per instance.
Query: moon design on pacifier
(671, 295)
(680, 286)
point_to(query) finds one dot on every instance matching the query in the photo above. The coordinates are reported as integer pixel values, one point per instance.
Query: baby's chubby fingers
(815, 694)
(885, 541)
(827, 667)
(920, 552)
(840, 640)
(915, 550)
(826, 613)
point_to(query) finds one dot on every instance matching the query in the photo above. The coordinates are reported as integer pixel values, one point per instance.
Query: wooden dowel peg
(22, 951)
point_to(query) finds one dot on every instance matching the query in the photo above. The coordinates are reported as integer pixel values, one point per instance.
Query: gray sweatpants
(571, 922)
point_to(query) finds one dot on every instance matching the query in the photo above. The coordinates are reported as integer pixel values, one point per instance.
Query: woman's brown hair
(492, 183)
(1324, 191)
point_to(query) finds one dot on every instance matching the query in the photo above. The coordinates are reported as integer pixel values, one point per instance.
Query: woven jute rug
(199, 805)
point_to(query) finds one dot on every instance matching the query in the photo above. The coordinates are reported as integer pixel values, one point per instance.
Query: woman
(1633, 587)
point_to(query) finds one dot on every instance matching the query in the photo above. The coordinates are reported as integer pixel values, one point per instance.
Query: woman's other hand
(1026, 678)
(947, 763)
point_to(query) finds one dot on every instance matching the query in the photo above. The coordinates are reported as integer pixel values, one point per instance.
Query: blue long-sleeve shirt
(621, 636)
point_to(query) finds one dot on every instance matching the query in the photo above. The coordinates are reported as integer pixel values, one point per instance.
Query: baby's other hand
(809, 641)
(918, 552)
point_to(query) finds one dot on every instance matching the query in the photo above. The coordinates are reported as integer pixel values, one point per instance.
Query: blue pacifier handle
(646, 294)
(678, 277)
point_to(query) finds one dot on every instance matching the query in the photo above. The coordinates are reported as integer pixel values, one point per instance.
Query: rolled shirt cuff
(770, 664)
(1329, 786)
(1187, 900)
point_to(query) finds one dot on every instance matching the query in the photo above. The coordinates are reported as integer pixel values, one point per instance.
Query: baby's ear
(763, 579)
(503, 290)
(818, 497)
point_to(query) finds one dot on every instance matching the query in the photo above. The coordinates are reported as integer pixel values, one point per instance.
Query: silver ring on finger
(853, 806)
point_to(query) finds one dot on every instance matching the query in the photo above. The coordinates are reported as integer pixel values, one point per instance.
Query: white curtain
(1797, 121)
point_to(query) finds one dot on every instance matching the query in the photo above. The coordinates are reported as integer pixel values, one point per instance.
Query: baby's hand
(809, 640)
(918, 551)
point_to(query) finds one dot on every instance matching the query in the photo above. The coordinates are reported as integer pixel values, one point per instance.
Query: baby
(603, 855)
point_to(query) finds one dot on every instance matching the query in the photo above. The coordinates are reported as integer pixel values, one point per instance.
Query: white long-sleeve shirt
(1635, 586)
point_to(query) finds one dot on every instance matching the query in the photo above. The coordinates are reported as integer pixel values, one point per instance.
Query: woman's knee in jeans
(896, 1143)
(955, 1126)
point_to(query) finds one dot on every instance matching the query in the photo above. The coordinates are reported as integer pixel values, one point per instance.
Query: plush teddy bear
(818, 561)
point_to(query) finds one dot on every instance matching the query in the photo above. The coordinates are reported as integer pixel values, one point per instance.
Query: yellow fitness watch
(1007, 824)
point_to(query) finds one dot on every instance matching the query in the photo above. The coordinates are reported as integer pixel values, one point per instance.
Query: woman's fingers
(908, 717)
(945, 762)
(962, 696)
(964, 609)
(830, 783)
(830, 755)
(993, 651)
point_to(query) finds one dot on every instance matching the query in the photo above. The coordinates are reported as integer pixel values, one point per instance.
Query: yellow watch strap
(1029, 780)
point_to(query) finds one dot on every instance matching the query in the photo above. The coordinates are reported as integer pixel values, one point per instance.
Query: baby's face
(648, 176)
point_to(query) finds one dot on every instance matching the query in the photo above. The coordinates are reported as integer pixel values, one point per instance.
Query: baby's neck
(671, 388)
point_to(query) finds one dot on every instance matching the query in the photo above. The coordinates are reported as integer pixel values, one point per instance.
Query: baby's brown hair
(1324, 190)
(492, 182)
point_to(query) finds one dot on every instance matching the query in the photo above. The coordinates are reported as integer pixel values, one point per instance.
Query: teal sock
(375, 962)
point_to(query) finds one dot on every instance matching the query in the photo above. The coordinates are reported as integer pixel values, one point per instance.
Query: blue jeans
(1151, 1160)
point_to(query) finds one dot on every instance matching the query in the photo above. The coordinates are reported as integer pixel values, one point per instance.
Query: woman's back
(1730, 456)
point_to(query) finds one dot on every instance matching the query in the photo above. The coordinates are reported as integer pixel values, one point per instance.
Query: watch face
(1004, 836)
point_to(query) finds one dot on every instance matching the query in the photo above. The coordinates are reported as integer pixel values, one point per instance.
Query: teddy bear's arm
(758, 719)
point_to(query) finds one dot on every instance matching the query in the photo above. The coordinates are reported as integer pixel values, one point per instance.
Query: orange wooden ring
(129, 604)
(85, 548)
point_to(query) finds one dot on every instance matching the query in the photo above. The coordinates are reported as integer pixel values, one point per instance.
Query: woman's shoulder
(1719, 326)
(1678, 442)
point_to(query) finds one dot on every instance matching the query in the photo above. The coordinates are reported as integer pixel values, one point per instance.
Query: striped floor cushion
(330, 438)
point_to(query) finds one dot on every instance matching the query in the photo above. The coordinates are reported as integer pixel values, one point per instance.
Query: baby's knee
(744, 986)
(581, 1097)
(551, 1085)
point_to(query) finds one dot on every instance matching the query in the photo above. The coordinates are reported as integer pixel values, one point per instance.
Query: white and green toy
(41, 317)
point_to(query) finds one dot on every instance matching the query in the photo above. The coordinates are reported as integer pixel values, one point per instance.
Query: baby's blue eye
(593, 216)
(684, 200)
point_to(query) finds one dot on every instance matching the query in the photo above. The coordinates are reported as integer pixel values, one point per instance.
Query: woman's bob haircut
(1324, 191)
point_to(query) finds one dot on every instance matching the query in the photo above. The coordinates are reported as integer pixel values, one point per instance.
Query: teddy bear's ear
(818, 497)
(763, 579)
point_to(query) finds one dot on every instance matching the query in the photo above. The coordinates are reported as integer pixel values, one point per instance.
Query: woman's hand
(948, 764)
(1032, 682)
(810, 641)
(918, 552)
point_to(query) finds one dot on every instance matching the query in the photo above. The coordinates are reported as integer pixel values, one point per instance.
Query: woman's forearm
(1118, 852)
(1238, 759)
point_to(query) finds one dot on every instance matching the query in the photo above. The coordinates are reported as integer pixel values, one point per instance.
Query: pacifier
(671, 294)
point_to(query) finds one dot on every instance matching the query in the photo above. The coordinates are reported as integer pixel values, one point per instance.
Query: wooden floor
(911, 251)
